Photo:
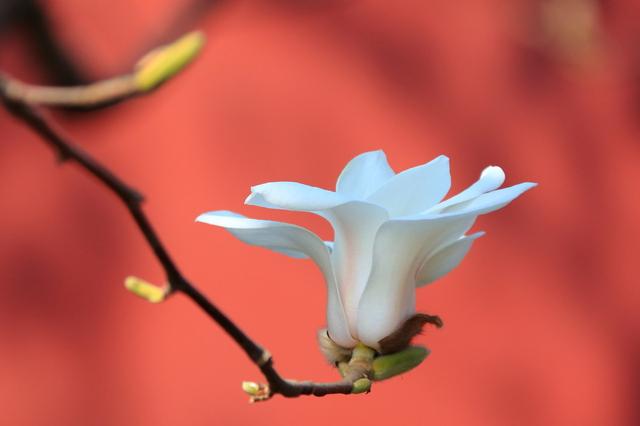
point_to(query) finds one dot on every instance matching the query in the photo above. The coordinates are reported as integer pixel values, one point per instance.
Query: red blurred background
(541, 318)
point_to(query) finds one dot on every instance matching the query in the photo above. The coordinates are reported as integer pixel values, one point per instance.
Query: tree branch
(151, 71)
(30, 17)
(354, 382)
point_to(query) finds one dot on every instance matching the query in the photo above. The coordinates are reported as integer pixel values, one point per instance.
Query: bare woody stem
(90, 96)
(149, 72)
(132, 199)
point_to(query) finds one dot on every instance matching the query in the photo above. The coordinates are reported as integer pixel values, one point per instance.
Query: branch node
(265, 357)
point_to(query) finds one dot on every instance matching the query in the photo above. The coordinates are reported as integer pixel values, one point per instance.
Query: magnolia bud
(257, 392)
(146, 290)
(162, 63)
(251, 388)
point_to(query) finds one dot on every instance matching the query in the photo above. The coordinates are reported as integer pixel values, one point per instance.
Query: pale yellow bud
(361, 386)
(251, 388)
(164, 62)
(146, 290)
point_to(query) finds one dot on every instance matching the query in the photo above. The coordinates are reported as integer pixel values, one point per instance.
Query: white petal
(364, 174)
(490, 179)
(414, 190)
(399, 248)
(490, 201)
(355, 225)
(445, 259)
(290, 239)
(329, 246)
(293, 196)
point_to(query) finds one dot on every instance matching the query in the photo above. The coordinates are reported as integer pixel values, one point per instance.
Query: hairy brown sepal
(400, 339)
(333, 352)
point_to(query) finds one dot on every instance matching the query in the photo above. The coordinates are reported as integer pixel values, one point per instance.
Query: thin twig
(91, 96)
(30, 17)
(132, 199)
(151, 71)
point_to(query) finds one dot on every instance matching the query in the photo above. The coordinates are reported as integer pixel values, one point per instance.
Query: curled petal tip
(164, 62)
(250, 197)
(493, 175)
(146, 290)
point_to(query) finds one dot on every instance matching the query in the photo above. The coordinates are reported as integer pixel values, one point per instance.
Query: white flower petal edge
(491, 178)
(399, 250)
(414, 190)
(445, 259)
(294, 196)
(490, 201)
(364, 174)
(401, 247)
(355, 225)
(291, 240)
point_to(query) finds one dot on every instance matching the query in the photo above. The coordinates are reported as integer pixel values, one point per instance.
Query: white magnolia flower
(392, 234)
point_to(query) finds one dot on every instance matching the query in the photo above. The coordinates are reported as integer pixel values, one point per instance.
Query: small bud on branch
(152, 70)
(22, 104)
(164, 62)
(150, 292)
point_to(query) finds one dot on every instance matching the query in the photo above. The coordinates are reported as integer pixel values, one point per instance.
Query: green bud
(361, 386)
(164, 62)
(387, 366)
(251, 388)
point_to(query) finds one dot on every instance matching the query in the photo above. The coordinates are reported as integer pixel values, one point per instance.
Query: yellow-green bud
(361, 386)
(251, 388)
(162, 63)
(146, 290)
(387, 366)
